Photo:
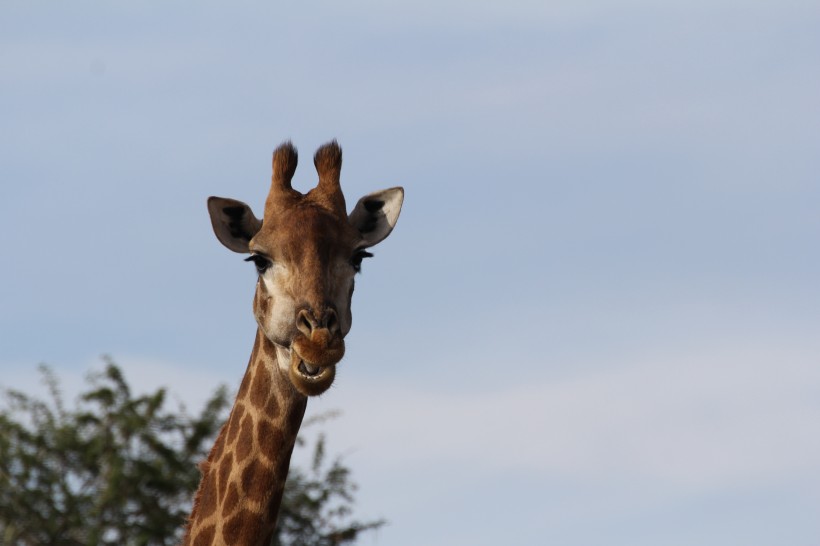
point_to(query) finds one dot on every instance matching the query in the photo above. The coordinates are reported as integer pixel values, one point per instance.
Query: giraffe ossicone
(307, 250)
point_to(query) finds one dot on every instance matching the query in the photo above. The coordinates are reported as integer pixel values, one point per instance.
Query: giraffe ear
(376, 214)
(233, 222)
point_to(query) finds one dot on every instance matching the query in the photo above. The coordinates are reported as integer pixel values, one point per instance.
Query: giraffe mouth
(309, 378)
(310, 372)
(308, 369)
(311, 361)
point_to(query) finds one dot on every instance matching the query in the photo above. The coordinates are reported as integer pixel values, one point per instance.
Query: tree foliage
(121, 469)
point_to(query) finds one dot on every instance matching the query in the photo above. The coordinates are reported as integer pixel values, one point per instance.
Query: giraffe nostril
(332, 321)
(303, 323)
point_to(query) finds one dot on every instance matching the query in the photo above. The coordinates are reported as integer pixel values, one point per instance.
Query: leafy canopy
(120, 469)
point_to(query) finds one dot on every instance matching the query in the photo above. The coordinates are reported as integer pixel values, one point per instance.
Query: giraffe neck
(244, 476)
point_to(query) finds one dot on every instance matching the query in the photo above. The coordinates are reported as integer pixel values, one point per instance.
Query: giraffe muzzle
(313, 360)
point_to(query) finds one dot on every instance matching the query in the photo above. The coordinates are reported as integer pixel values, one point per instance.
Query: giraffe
(306, 250)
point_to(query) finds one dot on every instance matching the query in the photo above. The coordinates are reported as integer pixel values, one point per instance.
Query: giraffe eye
(262, 263)
(356, 260)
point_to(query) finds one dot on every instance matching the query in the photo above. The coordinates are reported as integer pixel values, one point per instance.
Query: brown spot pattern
(244, 523)
(296, 415)
(225, 474)
(233, 424)
(256, 481)
(231, 500)
(245, 441)
(205, 537)
(271, 440)
(272, 407)
(219, 446)
(207, 502)
(244, 386)
(261, 387)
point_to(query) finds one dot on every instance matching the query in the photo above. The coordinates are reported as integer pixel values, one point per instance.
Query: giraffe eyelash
(356, 260)
(262, 263)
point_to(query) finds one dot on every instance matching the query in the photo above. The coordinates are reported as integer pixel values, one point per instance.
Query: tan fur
(302, 307)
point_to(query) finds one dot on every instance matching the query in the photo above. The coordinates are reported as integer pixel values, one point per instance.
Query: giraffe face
(307, 252)
(306, 260)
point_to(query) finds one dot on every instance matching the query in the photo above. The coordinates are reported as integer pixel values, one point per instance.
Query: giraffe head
(306, 250)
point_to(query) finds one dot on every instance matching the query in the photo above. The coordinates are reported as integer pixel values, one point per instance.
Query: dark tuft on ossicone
(285, 158)
(328, 160)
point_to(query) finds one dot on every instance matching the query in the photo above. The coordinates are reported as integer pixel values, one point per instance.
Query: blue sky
(597, 319)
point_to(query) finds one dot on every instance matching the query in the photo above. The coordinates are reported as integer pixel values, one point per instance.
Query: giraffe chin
(310, 379)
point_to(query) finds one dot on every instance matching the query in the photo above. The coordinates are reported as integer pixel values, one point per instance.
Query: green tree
(121, 469)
